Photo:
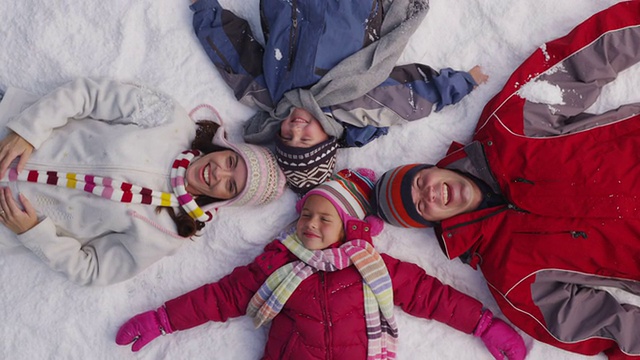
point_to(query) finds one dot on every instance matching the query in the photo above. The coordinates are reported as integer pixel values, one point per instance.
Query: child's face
(301, 130)
(319, 225)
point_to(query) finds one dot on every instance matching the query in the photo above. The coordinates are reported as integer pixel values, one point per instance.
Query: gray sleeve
(579, 80)
(574, 308)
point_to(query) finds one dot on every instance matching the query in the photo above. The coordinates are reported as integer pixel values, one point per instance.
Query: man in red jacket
(545, 199)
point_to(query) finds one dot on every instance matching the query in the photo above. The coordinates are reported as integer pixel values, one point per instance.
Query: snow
(541, 92)
(46, 43)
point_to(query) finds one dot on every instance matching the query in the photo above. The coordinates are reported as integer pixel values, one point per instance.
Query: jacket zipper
(293, 33)
(325, 315)
(523, 180)
(574, 233)
(508, 207)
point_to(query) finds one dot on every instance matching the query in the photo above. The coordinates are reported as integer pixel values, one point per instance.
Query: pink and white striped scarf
(121, 191)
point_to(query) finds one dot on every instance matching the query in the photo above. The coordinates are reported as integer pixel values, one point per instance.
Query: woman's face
(439, 194)
(220, 174)
(319, 225)
(301, 130)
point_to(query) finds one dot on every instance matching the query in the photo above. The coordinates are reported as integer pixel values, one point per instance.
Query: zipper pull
(523, 180)
(513, 207)
(577, 234)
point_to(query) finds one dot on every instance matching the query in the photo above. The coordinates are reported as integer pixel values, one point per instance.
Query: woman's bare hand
(14, 218)
(12, 147)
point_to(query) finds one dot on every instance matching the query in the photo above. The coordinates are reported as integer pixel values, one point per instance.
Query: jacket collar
(462, 235)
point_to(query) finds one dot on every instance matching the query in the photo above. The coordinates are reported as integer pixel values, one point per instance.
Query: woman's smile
(219, 175)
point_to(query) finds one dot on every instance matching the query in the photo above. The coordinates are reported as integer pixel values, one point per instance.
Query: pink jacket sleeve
(422, 295)
(229, 296)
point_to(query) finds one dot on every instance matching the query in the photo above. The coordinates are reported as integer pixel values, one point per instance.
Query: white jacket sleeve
(108, 259)
(99, 99)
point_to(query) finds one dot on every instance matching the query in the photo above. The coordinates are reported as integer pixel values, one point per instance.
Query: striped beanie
(392, 197)
(306, 167)
(349, 191)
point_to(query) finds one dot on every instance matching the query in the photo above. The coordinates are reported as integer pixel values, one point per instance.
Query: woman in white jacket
(95, 178)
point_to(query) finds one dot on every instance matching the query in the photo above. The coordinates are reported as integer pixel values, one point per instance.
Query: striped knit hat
(349, 191)
(306, 167)
(392, 197)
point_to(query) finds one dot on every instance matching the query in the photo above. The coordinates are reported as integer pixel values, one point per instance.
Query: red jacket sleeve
(229, 296)
(422, 295)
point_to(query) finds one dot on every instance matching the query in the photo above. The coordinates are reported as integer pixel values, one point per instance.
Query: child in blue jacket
(326, 76)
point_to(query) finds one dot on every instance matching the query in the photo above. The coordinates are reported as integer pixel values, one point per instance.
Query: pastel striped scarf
(121, 191)
(382, 331)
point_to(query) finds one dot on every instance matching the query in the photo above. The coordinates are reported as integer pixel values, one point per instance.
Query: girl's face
(439, 194)
(301, 130)
(319, 225)
(220, 174)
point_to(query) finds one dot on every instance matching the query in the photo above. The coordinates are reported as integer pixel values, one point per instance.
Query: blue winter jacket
(303, 40)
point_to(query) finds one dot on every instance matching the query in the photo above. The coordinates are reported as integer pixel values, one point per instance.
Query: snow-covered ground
(46, 43)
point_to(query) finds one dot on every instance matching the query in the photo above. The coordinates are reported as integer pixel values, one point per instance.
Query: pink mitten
(500, 338)
(143, 328)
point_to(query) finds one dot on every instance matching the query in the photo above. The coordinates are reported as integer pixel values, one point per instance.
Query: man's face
(439, 194)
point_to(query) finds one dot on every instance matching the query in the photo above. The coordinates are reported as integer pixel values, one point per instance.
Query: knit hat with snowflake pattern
(306, 167)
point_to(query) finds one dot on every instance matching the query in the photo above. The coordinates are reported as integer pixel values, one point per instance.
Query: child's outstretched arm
(217, 301)
(409, 93)
(229, 42)
(422, 295)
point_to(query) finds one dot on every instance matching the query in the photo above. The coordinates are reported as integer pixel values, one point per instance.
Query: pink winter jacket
(324, 318)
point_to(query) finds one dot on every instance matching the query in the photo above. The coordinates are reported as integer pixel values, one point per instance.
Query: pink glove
(500, 338)
(143, 328)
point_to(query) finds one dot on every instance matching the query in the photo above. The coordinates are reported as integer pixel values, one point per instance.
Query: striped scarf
(121, 191)
(382, 331)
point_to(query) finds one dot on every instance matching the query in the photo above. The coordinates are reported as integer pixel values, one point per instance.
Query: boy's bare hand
(478, 76)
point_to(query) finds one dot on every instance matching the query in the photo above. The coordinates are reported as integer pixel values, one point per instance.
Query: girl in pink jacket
(328, 293)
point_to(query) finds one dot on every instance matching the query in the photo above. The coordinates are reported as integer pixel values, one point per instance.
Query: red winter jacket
(324, 318)
(572, 184)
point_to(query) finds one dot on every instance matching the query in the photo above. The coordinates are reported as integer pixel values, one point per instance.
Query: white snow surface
(46, 43)
(541, 92)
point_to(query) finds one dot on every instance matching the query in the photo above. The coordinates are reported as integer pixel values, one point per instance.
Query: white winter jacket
(103, 128)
